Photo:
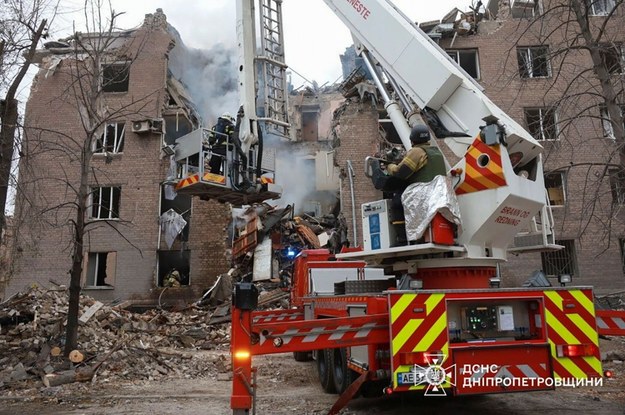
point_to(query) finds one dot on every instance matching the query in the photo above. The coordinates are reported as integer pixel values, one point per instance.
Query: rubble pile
(267, 240)
(113, 343)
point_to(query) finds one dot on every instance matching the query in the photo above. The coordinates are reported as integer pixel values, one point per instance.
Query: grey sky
(314, 36)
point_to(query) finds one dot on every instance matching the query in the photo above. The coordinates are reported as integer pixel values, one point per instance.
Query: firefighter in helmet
(420, 164)
(219, 139)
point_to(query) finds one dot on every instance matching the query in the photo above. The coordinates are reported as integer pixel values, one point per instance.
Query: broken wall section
(357, 136)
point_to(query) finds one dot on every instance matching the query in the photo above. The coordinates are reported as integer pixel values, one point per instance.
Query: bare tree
(92, 66)
(23, 24)
(575, 47)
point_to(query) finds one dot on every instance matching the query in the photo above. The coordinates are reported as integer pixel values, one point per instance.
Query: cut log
(68, 376)
(76, 356)
(56, 351)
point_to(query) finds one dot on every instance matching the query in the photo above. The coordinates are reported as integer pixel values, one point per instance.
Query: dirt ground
(289, 387)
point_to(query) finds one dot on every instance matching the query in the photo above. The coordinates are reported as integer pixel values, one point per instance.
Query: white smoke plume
(296, 175)
(210, 76)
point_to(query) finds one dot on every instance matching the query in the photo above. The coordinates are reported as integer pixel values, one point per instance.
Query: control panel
(480, 318)
(494, 320)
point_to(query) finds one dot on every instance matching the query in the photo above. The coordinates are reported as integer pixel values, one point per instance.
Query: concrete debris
(282, 236)
(114, 343)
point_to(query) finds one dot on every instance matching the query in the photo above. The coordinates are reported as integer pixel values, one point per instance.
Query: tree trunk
(8, 118)
(71, 334)
(605, 77)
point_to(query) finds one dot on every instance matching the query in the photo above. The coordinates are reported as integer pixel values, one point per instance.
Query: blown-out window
(115, 77)
(561, 262)
(105, 202)
(534, 62)
(542, 123)
(467, 59)
(111, 140)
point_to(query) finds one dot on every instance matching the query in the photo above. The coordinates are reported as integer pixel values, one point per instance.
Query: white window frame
(528, 56)
(541, 117)
(101, 209)
(607, 7)
(562, 186)
(118, 136)
(529, 12)
(454, 54)
(606, 122)
(617, 186)
(90, 281)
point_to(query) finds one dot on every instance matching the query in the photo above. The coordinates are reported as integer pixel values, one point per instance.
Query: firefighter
(219, 139)
(420, 164)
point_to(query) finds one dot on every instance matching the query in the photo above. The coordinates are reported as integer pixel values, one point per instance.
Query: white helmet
(227, 116)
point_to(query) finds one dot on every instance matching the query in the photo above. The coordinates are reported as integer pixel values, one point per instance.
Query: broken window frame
(455, 55)
(617, 186)
(613, 57)
(102, 209)
(601, 7)
(533, 62)
(93, 267)
(184, 270)
(606, 121)
(112, 82)
(543, 129)
(555, 185)
(310, 115)
(527, 12)
(111, 140)
(560, 262)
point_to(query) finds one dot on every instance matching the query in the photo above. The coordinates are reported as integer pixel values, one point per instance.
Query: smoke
(296, 175)
(210, 76)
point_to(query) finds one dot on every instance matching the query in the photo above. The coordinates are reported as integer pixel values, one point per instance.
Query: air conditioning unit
(140, 127)
(523, 4)
(157, 125)
(148, 126)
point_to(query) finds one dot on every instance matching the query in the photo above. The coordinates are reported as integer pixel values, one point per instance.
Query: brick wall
(581, 151)
(357, 132)
(50, 168)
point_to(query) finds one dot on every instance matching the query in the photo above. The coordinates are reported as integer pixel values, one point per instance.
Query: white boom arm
(262, 71)
(425, 72)
(492, 212)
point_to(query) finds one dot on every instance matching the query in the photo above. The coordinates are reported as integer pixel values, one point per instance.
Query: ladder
(272, 77)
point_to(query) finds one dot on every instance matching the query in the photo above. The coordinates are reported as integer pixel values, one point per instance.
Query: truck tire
(302, 356)
(324, 369)
(343, 376)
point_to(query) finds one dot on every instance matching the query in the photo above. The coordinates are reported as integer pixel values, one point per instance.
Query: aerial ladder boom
(247, 174)
(499, 180)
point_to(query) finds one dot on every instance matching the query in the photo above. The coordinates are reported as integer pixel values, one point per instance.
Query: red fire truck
(427, 316)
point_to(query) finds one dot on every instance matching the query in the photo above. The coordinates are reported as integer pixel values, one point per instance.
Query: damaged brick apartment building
(128, 251)
(143, 107)
(335, 129)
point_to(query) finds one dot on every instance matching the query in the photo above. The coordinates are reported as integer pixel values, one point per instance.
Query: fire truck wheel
(325, 370)
(343, 376)
(302, 356)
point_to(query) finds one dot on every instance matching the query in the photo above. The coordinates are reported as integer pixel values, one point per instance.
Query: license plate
(414, 377)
